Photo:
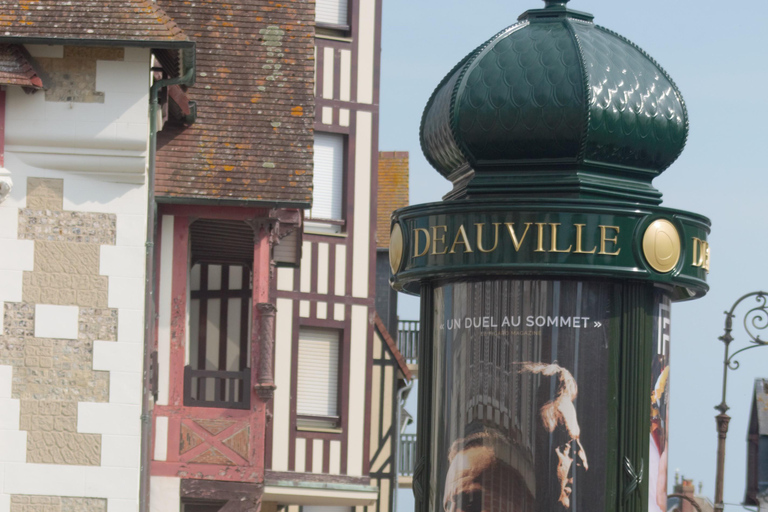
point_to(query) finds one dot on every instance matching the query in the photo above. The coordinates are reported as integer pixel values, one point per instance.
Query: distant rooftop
(392, 193)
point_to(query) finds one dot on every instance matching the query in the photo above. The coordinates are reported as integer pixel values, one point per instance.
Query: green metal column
(547, 273)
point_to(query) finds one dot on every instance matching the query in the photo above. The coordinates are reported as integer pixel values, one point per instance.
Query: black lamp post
(755, 319)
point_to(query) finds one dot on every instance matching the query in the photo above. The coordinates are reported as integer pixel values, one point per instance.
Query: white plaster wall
(361, 249)
(282, 400)
(365, 51)
(358, 353)
(164, 492)
(108, 139)
(52, 140)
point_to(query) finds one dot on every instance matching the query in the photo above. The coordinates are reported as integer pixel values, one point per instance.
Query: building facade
(332, 367)
(74, 125)
(174, 299)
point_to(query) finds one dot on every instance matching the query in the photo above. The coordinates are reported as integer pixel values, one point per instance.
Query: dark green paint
(558, 120)
(686, 280)
(555, 103)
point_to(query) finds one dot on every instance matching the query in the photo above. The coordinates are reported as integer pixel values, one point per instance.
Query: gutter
(75, 41)
(188, 78)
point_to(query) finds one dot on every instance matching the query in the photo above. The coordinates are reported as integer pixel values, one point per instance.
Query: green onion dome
(558, 106)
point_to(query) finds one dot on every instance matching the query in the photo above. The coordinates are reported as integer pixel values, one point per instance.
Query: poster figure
(561, 411)
(659, 448)
(520, 422)
(481, 476)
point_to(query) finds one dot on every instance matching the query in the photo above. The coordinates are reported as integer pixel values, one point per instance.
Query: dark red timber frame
(335, 242)
(249, 468)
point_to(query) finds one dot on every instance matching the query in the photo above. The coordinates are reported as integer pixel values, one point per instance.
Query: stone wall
(73, 76)
(52, 374)
(21, 503)
(73, 239)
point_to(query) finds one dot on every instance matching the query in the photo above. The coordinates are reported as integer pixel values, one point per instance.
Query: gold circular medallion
(661, 245)
(395, 248)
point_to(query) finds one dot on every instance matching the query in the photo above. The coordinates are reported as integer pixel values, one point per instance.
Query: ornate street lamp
(755, 319)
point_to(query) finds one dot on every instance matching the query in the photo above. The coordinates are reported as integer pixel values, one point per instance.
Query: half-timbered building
(188, 204)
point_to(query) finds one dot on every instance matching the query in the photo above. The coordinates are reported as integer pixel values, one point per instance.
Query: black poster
(521, 381)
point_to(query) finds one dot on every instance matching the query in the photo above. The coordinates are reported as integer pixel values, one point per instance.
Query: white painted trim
(362, 229)
(161, 438)
(345, 81)
(323, 250)
(305, 273)
(285, 279)
(365, 50)
(115, 165)
(328, 54)
(164, 494)
(317, 456)
(356, 406)
(301, 454)
(335, 458)
(341, 270)
(282, 399)
(322, 310)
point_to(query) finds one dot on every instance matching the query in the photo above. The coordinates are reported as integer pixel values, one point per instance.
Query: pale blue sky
(716, 55)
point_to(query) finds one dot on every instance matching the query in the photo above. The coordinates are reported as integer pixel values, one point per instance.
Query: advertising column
(547, 274)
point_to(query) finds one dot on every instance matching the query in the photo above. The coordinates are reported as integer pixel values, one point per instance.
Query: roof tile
(99, 20)
(16, 69)
(253, 137)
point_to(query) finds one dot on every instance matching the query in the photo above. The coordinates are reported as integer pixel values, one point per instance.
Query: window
(317, 389)
(332, 14)
(218, 372)
(327, 213)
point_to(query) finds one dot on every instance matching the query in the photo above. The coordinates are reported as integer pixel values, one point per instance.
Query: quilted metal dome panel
(556, 93)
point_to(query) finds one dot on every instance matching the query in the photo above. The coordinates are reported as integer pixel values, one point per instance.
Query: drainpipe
(149, 283)
(396, 464)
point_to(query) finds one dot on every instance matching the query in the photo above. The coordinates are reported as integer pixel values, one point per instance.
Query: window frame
(324, 226)
(308, 422)
(303, 422)
(333, 29)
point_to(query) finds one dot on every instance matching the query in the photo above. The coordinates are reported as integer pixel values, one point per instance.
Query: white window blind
(333, 12)
(328, 176)
(318, 378)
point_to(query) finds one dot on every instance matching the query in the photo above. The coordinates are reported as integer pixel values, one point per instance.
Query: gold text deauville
(543, 236)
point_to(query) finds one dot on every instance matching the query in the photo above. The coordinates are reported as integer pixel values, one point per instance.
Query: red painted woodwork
(178, 309)
(213, 212)
(235, 453)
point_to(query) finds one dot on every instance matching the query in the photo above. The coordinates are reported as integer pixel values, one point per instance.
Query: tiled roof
(392, 193)
(100, 20)
(253, 138)
(15, 68)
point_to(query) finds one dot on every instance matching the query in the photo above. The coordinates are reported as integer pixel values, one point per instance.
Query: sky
(716, 55)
